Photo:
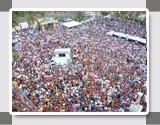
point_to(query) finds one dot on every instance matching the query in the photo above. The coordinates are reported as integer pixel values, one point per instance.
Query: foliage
(56, 18)
(79, 16)
(15, 55)
(116, 14)
(30, 16)
(131, 15)
(15, 16)
(104, 13)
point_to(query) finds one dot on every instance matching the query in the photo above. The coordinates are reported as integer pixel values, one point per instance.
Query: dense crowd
(104, 75)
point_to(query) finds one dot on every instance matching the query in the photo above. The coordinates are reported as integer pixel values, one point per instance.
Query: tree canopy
(104, 13)
(30, 16)
(131, 15)
(79, 16)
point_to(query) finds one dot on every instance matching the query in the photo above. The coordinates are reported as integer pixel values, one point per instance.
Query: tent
(127, 36)
(23, 25)
(71, 24)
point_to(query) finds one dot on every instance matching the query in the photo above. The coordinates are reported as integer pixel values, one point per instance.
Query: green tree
(14, 20)
(79, 16)
(30, 16)
(131, 15)
(123, 14)
(116, 13)
(104, 13)
(43, 13)
(15, 55)
(15, 17)
(144, 21)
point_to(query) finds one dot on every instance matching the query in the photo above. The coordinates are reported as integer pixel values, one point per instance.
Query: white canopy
(71, 24)
(127, 36)
(24, 25)
(62, 50)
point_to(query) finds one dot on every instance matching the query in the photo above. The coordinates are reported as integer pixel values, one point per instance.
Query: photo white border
(75, 9)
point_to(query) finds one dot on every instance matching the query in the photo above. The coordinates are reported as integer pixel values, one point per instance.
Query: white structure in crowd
(71, 24)
(127, 36)
(62, 56)
(136, 107)
(23, 25)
